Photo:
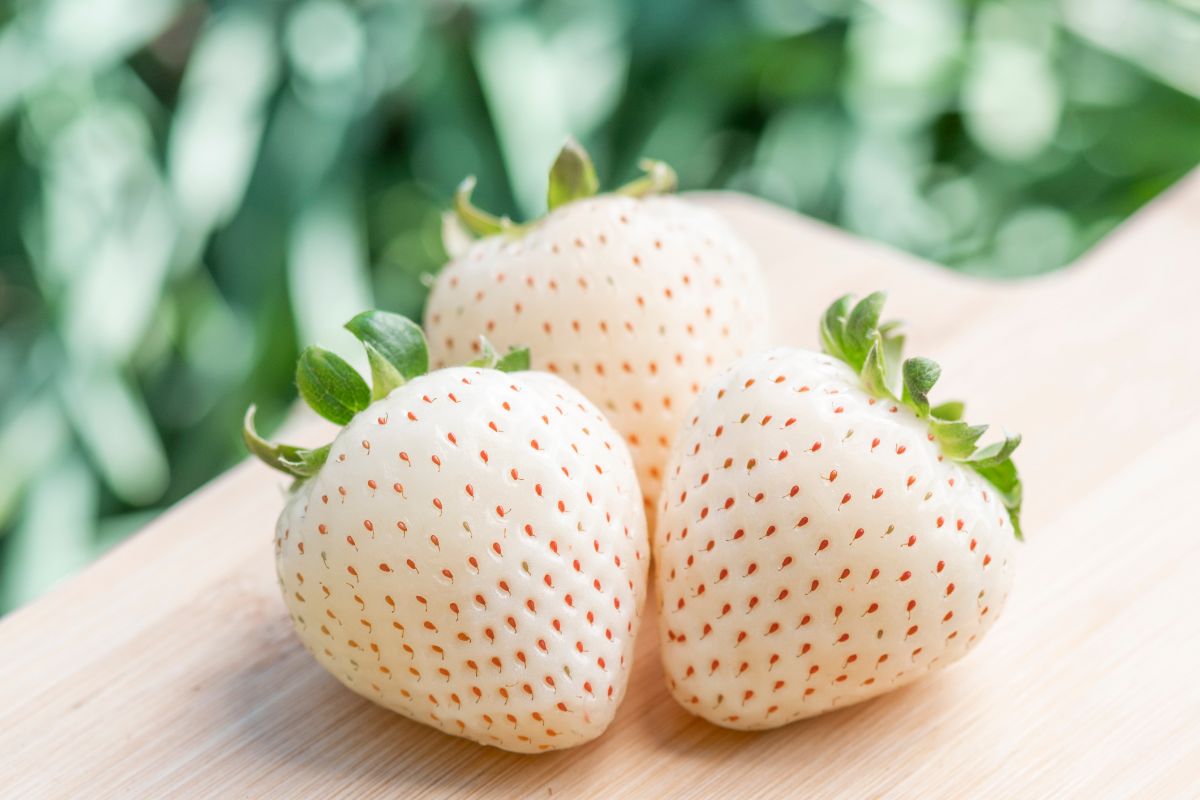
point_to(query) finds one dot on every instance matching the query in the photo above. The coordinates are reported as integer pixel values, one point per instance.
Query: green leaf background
(191, 192)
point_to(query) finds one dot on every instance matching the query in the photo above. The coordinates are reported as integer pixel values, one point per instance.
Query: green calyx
(852, 332)
(397, 353)
(572, 177)
(515, 360)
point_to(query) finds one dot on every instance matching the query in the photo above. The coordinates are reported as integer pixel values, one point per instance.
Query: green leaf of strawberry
(893, 351)
(949, 411)
(659, 178)
(572, 177)
(1003, 476)
(995, 453)
(330, 386)
(514, 360)
(957, 438)
(395, 348)
(487, 355)
(475, 220)
(920, 374)
(874, 370)
(862, 326)
(300, 462)
(832, 325)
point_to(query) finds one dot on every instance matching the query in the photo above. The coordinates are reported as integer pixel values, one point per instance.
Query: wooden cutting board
(169, 669)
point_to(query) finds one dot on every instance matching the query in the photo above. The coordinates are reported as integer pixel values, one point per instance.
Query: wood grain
(168, 669)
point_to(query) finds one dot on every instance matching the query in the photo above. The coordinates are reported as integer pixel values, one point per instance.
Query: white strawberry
(470, 551)
(821, 540)
(635, 299)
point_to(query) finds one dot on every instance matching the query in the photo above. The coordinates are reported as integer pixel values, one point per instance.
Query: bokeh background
(191, 191)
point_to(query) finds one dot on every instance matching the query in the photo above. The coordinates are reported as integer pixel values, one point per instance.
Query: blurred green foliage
(189, 191)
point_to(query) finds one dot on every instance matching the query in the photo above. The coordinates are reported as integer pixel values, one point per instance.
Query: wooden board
(169, 669)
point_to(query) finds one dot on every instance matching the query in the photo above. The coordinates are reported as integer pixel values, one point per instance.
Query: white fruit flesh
(814, 548)
(473, 556)
(634, 302)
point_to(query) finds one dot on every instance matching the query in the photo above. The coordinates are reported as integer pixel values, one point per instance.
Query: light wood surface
(169, 669)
